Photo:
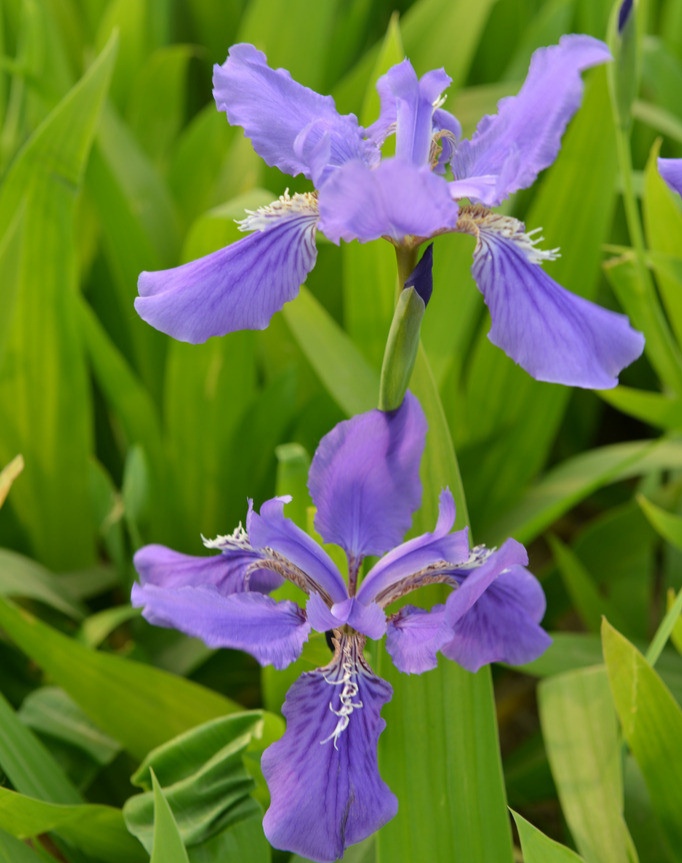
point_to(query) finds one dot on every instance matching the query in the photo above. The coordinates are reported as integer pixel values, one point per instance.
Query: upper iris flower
(671, 171)
(406, 199)
(325, 787)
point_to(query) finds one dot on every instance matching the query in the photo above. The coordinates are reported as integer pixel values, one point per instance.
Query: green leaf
(51, 712)
(587, 600)
(657, 409)
(203, 779)
(651, 722)
(94, 829)
(575, 479)
(352, 383)
(667, 524)
(44, 348)
(28, 764)
(14, 851)
(538, 848)
(21, 576)
(581, 737)
(168, 847)
(152, 706)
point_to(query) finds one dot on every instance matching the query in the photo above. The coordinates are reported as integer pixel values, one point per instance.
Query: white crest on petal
(348, 669)
(302, 204)
(477, 219)
(238, 540)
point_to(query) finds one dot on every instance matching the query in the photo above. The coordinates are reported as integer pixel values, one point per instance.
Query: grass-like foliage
(121, 742)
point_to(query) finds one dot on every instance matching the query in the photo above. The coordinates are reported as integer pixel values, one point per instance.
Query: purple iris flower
(325, 787)
(671, 171)
(406, 199)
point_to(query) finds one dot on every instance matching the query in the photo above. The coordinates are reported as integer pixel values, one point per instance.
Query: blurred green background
(114, 160)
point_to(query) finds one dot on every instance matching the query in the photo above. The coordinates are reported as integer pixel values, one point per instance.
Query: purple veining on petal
(275, 111)
(271, 529)
(414, 636)
(414, 107)
(416, 554)
(326, 791)
(364, 479)
(273, 632)
(503, 625)
(239, 287)
(554, 335)
(395, 200)
(475, 580)
(225, 572)
(671, 171)
(524, 136)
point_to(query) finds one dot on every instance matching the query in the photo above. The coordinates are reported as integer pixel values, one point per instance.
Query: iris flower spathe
(406, 199)
(325, 787)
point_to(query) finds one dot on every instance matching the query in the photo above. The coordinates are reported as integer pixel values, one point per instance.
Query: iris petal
(274, 110)
(364, 478)
(396, 200)
(415, 554)
(325, 788)
(414, 636)
(271, 529)
(272, 632)
(671, 171)
(503, 625)
(239, 287)
(226, 572)
(552, 334)
(524, 136)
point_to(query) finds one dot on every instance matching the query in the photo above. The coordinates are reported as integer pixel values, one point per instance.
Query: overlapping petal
(364, 478)
(278, 114)
(502, 625)
(272, 632)
(325, 788)
(414, 636)
(271, 529)
(414, 100)
(414, 555)
(671, 171)
(524, 136)
(554, 335)
(239, 287)
(396, 200)
(370, 619)
(225, 572)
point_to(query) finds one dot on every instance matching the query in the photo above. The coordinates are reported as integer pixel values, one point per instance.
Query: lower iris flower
(326, 790)
(436, 183)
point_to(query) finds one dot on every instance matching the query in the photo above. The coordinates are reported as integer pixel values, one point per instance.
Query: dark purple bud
(624, 14)
(421, 278)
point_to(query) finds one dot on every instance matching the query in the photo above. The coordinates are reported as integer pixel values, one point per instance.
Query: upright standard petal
(502, 625)
(277, 114)
(552, 334)
(226, 572)
(395, 573)
(671, 171)
(364, 479)
(272, 632)
(241, 286)
(394, 200)
(415, 101)
(524, 136)
(325, 788)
